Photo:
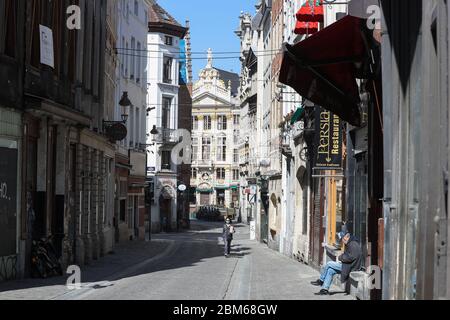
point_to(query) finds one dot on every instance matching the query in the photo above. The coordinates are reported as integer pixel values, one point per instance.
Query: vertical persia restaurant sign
(328, 140)
(8, 203)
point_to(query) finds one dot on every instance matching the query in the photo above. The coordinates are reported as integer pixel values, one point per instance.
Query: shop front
(337, 69)
(11, 246)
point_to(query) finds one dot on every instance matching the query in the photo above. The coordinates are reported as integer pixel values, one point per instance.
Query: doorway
(165, 207)
(136, 216)
(220, 200)
(204, 199)
(317, 230)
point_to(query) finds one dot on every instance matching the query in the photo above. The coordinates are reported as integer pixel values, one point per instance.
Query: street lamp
(154, 130)
(125, 103)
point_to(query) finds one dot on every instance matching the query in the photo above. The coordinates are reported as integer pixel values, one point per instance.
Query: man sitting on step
(350, 260)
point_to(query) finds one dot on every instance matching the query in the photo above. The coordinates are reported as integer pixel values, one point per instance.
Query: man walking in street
(350, 260)
(228, 231)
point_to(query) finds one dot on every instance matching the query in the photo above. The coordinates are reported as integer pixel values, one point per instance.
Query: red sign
(306, 27)
(311, 11)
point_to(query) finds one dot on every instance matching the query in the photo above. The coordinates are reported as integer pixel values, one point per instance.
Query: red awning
(311, 11)
(323, 68)
(306, 27)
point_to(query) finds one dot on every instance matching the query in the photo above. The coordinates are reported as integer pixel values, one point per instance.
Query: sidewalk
(115, 265)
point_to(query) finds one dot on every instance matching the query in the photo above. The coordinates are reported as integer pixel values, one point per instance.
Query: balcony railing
(166, 136)
(202, 162)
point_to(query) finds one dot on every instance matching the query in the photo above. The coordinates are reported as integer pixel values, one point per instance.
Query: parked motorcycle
(44, 260)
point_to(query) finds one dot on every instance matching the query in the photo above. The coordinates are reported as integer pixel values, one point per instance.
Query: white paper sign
(252, 230)
(46, 36)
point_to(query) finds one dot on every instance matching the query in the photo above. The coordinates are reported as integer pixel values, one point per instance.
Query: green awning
(297, 115)
(234, 187)
(204, 190)
(221, 188)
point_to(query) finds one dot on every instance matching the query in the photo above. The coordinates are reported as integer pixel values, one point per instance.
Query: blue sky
(213, 23)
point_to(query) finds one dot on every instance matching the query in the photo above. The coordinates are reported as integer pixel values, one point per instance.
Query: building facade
(130, 213)
(53, 107)
(215, 117)
(248, 131)
(164, 110)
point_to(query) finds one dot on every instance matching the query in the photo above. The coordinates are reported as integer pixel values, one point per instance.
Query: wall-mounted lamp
(125, 103)
(154, 130)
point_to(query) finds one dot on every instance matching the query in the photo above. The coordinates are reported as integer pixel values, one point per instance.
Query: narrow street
(184, 266)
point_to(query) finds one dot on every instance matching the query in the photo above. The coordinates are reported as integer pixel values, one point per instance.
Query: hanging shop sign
(117, 132)
(8, 201)
(328, 140)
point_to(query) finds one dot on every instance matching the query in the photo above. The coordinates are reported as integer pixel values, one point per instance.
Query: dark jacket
(226, 232)
(352, 259)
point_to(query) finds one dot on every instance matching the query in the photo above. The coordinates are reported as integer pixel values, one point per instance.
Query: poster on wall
(328, 140)
(8, 203)
(46, 37)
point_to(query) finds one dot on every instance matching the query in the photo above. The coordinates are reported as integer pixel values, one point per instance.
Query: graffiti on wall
(8, 268)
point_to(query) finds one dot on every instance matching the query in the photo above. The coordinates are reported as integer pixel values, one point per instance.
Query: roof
(161, 21)
(234, 77)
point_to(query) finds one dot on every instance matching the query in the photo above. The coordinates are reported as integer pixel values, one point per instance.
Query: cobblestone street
(183, 266)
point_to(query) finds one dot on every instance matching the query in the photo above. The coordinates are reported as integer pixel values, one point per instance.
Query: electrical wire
(196, 52)
(193, 58)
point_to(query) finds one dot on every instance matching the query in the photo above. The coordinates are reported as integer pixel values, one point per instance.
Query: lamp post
(125, 103)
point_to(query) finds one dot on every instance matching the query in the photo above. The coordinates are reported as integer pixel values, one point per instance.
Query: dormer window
(168, 41)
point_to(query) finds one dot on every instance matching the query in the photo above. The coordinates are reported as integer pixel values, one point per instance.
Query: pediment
(207, 98)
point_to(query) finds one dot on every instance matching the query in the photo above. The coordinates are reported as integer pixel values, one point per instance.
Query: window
(235, 174)
(121, 60)
(194, 148)
(167, 70)
(122, 210)
(165, 160)
(222, 123)
(236, 137)
(236, 119)
(166, 106)
(138, 65)
(133, 58)
(8, 26)
(168, 40)
(194, 123)
(221, 149)
(194, 173)
(126, 59)
(146, 17)
(235, 155)
(206, 148)
(220, 173)
(130, 129)
(136, 8)
(207, 123)
(137, 119)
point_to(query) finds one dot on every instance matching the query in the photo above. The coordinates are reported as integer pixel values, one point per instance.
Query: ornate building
(215, 130)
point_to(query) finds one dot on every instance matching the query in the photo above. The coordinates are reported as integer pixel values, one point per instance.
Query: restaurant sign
(328, 140)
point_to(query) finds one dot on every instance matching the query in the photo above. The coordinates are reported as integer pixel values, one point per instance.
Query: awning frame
(301, 64)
